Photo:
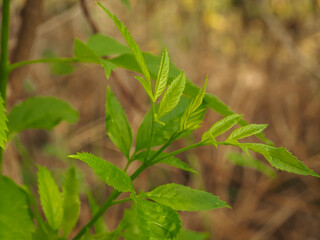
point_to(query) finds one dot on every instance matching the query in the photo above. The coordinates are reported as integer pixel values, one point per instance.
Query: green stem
(98, 214)
(121, 201)
(42, 60)
(180, 151)
(4, 58)
(109, 202)
(152, 131)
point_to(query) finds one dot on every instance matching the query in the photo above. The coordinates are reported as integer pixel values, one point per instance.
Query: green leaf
(41, 113)
(161, 133)
(109, 173)
(163, 73)
(281, 159)
(108, 67)
(117, 125)
(246, 131)
(244, 161)
(58, 68)
(145, 86)
(191, 235)
(172, 96)
(3, 124)
(85, 53)
(71, 202)
(183, 198)
(103, 45)
(132, 45)
(172, 161)
(221, 126)
(156, 221)
(50, 197)
(15, 215)
(99, 225)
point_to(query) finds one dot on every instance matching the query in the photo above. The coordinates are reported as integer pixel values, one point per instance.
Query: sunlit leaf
(163, 73)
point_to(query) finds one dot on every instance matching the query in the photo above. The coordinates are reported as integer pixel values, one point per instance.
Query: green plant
(180, 111)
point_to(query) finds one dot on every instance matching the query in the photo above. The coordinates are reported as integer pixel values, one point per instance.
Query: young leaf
(163, 73)
(172, 161)
(99, 225)
(84, 53)
(161, 133)
(117, 125)
(105, 46)
(15, 215)
(245, 161)
(246, 131)
(132, 45)
(71, 202)
(156, 221)
(3, 124)
(172, 96)
(221, 126)
(109, 173)
(183, 198)
(40, 112)
(50, 197)
(281, 159)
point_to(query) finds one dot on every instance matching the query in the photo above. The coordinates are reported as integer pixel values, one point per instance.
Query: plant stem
(109, 202)
(42, 60)
(121, 201)
(98, 214)
(180, 151)
(152, 131)
(4, 58)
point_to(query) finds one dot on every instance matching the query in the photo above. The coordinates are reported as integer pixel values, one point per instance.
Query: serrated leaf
(163, 73)
(108, 67)
(161, 133)
(281, 159)
(109, 173)
(104, 45)
(172, 96)
(244, 161)
(50, 197)
(71, 202)
(246, 131)
(172, 161)
(3, 124)
(221, 126)
(183, 198)
(117, 124)
(15, 215)
(156, 221)
(41, 113)
(132, 45)
(192, 235)
(84, 53)
(99, 225)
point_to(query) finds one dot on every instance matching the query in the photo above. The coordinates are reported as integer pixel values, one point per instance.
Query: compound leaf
(172, 96)
(281, 159)
(246, 131)
(71, 202)
(170, 160)
(3, 124)
(15, 216)
(183, 198)
(221, 126)
(156, 221)
(163, 73)
(132, 45)
(109, 173)
(50, 197)
(117, 124)
(40, 112)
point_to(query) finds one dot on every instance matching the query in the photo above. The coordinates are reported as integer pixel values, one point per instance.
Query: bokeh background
(262, 58)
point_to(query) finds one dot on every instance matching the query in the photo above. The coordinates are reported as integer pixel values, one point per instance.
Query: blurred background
(262, 58)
